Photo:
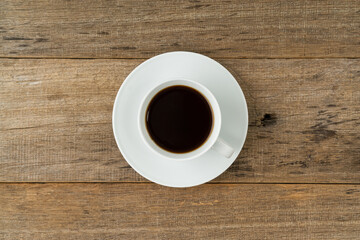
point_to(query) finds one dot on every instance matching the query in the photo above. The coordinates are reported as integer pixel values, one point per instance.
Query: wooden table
(63, 177)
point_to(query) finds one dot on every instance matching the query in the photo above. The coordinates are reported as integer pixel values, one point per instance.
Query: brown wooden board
(149, 211)
(133, 29)
(304, 120)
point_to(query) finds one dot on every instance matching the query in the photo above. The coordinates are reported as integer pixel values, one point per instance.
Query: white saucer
(170, 66)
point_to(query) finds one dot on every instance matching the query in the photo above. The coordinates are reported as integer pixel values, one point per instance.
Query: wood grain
(227, 29)
(304, 121)
(149, 211)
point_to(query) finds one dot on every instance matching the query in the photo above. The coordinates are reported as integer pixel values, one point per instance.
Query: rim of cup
(206, 145)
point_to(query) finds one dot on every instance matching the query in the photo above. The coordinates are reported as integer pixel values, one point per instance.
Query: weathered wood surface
(227, 29)
(148, 211)
(304, 117)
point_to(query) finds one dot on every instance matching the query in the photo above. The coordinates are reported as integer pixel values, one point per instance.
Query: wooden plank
(149, 211)
(304, 117)
(227, 29)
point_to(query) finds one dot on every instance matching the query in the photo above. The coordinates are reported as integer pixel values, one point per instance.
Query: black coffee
(179, 119)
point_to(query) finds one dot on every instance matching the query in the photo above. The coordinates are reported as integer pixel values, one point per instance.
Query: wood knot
(268, 119)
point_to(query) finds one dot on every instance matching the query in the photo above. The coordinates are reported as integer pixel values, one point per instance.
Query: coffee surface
(179, 119)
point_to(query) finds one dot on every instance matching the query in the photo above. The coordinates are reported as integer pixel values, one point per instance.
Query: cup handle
(223, 148)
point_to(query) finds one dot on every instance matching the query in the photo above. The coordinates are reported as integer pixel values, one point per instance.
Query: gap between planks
(145, 58)
(209, 183)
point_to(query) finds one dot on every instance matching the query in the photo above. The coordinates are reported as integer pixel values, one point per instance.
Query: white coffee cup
(213, 142)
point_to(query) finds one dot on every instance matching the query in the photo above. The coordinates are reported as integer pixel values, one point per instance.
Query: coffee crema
(179, 119)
